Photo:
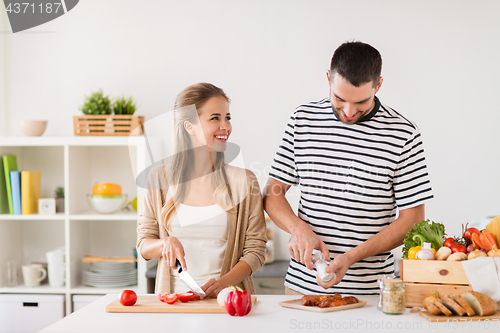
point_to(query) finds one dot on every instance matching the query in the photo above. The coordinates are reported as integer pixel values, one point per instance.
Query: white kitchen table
(266, 316)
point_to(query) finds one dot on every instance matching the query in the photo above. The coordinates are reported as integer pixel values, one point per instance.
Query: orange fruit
(106, 189)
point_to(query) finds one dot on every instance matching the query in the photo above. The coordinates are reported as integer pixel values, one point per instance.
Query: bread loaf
(460, 300)
(453, 306)
(482, 304)
(441, 307)
(433, 309)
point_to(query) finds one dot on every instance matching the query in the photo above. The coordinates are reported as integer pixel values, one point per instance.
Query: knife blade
(189, 281)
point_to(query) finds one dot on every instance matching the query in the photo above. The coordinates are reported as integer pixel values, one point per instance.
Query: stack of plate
(110, 275)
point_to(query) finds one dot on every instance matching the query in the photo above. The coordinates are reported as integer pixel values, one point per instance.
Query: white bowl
(33, 127)
(107, 205)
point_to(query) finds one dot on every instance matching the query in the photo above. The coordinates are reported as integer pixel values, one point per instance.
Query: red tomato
(128, 297)
(171, 298)
(185, 297)
(161, 296)
(468, 234)
(458, 248)
(449, 242)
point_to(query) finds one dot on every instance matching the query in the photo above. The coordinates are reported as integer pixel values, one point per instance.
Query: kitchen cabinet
(41, 310)
(76, 163)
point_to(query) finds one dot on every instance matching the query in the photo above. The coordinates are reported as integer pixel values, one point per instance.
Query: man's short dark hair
(357, 62)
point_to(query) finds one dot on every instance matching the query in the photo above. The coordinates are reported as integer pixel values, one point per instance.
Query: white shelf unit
(76, 163)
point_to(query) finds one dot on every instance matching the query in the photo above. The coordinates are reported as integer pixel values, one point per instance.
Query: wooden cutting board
(442, 318)
(296, 304)
(151, 304)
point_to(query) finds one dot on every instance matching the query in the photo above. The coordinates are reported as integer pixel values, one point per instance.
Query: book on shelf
(15, 183)
(9, 164)
(4, 201)
(30, 191)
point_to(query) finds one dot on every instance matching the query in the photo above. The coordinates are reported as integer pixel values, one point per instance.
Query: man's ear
(188, 127)
(328, 76)
(379, 84)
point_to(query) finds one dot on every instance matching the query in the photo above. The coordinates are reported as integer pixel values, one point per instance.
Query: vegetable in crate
(430, 231)
(494, 228)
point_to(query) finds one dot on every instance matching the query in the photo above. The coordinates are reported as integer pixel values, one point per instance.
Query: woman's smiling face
(214, 127)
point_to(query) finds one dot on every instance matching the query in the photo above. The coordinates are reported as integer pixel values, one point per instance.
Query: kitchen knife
(188, 279)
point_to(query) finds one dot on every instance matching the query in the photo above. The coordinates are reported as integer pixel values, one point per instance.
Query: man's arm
(385, 240)
(303, 240)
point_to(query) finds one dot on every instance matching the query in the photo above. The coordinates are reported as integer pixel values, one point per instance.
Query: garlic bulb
(426, 252)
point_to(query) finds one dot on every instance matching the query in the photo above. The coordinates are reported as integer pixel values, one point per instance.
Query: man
(363, 180)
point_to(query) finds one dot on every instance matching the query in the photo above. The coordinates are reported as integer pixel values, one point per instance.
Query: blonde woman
(198, 210)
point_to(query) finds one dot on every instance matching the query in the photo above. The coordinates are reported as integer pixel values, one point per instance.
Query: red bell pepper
(238, 303)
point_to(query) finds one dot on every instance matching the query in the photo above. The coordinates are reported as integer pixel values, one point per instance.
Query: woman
(209, 215)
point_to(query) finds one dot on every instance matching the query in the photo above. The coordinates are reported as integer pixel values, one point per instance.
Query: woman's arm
(149, 243)
(170, 248)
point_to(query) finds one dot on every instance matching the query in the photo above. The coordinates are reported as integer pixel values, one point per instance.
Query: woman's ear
(188, 127)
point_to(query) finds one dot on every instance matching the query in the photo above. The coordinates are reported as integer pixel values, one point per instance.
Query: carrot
(490, 239)
(477, 241)
(484, 241)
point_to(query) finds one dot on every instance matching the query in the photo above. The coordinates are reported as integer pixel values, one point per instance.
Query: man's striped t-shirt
(353, 179)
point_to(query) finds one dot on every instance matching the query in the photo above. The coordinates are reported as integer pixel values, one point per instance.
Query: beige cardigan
(246, 228)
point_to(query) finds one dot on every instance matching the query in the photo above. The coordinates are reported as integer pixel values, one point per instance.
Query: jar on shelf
(393, 296)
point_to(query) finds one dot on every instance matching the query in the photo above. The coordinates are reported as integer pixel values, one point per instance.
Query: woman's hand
(212, 288)
(173, 250)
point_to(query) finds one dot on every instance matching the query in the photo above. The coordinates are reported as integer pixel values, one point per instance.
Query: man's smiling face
(351, 102)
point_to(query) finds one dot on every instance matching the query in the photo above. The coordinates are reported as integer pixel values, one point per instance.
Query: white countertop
(266, 316)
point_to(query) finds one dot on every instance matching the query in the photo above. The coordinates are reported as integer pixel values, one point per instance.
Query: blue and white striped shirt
(353, 179)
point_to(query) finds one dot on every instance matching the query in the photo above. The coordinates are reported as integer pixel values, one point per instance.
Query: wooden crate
(422, 277)
(108, 125)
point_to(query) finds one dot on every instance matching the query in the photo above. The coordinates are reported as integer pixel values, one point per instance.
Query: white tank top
(202, 232)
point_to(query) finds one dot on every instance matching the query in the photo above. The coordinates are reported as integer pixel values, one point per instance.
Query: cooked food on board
(328, 301)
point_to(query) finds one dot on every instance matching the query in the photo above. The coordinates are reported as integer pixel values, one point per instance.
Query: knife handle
(179, 266)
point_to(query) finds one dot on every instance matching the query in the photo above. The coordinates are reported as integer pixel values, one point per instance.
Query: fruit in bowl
(106, 189)
(107, 204)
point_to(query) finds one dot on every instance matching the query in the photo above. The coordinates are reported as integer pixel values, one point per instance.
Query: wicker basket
(109, 125)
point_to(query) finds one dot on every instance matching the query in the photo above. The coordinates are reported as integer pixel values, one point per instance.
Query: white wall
(441, 69)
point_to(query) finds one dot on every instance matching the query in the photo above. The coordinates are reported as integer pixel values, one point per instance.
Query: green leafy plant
(59, 192)
(97, 104)
(430, 231)
(123, 105)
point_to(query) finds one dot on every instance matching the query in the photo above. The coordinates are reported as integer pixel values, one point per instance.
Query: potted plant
(97, 104)
(98, 118)
(123, 105)
(59, 195)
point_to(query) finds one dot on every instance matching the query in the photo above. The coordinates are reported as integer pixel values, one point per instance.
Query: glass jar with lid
(393, 296)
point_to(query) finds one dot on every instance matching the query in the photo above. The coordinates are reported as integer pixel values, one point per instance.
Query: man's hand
(339, 266)
(303, 240)
(301, 244)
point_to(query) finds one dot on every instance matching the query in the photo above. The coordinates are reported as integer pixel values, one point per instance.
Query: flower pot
(59, 205)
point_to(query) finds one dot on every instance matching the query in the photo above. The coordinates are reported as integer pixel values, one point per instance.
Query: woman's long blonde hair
(180, 170)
